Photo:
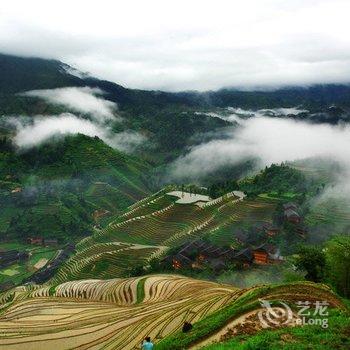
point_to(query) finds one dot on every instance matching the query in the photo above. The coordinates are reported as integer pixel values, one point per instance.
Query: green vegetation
(16, 273)
(219, 189)
(336, 336)
(53, 190)
(234, 216)
(338, 264)
(244, 303)
(140, 290)
(52, 290)
(312, 260)
(276, 181)
(329, 265)
(327, 216)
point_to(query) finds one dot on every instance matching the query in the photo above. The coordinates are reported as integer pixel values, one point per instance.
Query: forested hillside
(53, 190)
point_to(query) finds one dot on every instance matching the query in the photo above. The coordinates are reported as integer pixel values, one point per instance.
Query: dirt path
(248, 323)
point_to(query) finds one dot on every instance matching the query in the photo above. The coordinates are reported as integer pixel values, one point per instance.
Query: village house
(98, 213)
(301, 230)
(241, 237)
(270, 230)
(290, 213)
(35, 240)
(290, 205)
(217, 265)
(50, 242)
(266, 253)
(244, 257)
(255, 234)
(196, 254)
(292, 216)
(261, 256)
(11, 257)
(178, 261)
(16, 190)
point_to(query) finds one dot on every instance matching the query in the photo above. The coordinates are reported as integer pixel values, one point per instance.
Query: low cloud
(85, 100)
(42, 129)
(237, 115)
(268, 140)
(34, 131)
(126, 140)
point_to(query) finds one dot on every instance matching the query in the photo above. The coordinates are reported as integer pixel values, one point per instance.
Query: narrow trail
(246, 323)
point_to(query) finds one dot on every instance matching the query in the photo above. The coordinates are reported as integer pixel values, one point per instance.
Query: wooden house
(244, 257)
(292, 216)
(261, 256)
(35, 240)
(10, 257)
(180, 261)
(266, 253)
(241, 237)
(50, 242)
(217, 264)
(17, 190)
(290, 205)
(198, 253)
(270, 230)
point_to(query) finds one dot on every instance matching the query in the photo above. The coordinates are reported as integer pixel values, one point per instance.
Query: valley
(128, 213)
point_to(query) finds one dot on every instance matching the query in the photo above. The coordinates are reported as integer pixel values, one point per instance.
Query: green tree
(338, 264)
(312, 260)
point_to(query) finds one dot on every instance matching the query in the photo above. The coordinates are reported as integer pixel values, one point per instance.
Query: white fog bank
(80, 99)
(270, 140)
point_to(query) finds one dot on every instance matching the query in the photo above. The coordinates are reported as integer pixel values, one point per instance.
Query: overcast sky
(186, 44)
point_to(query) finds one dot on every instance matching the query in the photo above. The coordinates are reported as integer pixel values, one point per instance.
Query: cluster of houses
(254, 242)
(10, 257)
(256, 233)
(48, 271)
(47, 242)
(199, 253)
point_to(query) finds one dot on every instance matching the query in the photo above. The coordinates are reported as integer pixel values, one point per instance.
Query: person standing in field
(147, 344)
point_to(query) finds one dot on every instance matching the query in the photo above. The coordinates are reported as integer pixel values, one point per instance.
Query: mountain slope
(54, 189)
(19, 74)
(119, 314)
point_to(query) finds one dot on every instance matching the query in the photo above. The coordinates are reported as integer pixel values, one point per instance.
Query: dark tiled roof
(202, 247)
(290, 213)
(290, 205)
(244, 254)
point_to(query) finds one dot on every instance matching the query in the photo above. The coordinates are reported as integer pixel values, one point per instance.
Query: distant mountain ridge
(19, 74)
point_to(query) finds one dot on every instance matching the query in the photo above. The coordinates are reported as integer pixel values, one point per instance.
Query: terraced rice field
(233, 215)
(156, 204)
(153, 225)
(118, 314)
(96, 314)
(104, 260)
(331, 214)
